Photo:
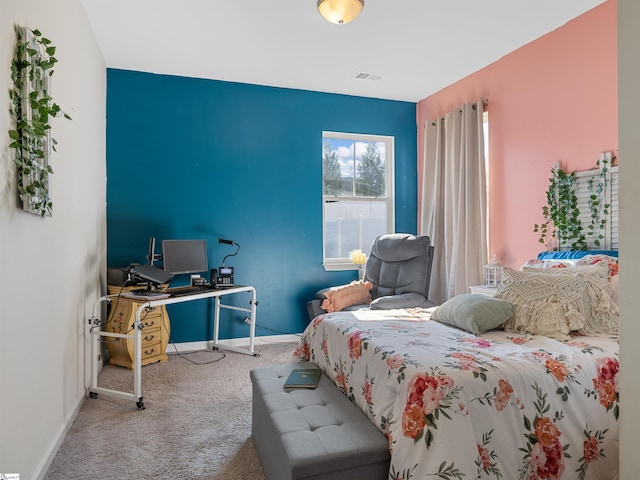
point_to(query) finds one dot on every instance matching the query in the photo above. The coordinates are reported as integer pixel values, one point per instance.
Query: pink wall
(553, 99)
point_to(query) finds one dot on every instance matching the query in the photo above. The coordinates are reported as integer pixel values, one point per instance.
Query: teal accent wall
(192, 158)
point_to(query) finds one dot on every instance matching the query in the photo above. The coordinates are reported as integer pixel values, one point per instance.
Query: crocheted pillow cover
(600, 308)
(555, 303)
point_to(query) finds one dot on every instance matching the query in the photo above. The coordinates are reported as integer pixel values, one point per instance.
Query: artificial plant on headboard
(31, 109)
(581, 208)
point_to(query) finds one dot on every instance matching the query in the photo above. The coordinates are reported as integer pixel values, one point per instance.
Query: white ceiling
(419, 46)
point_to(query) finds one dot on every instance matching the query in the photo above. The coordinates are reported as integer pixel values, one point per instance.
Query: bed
(457, 405)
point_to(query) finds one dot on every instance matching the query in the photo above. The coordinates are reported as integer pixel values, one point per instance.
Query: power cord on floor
(278, 331)
(223, 355)
(185, 357)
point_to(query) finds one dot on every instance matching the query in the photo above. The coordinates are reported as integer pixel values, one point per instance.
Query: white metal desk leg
(95, 330)
(137, 361)
(252, 327)
(94, 359)
(216, 321)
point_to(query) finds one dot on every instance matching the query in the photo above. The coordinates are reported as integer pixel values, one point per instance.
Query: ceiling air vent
(368, 76)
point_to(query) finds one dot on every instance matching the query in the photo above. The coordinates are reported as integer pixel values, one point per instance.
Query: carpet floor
(196, 424)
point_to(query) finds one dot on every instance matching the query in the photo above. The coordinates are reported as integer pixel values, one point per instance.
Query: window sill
(334, 267)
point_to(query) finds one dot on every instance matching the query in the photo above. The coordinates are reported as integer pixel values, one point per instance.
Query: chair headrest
(399, 247)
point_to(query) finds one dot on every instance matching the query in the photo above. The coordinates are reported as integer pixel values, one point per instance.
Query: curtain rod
(484, 100)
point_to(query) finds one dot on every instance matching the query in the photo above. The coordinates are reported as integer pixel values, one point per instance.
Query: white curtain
(453, 210)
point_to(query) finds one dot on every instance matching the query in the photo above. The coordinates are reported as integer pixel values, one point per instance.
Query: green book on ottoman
(303, 378)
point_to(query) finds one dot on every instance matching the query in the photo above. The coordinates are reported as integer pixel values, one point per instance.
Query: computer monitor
(184, 256)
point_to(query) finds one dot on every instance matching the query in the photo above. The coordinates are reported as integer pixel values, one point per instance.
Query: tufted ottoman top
(321, 429)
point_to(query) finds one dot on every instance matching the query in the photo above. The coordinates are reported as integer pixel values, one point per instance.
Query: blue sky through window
(344, 151)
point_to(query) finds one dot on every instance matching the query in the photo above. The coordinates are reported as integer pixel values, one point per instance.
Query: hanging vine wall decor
(564, 226)
(561, 214)
(32, 108)
(599, 210)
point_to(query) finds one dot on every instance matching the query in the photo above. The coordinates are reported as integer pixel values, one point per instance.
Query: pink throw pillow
(339, 298)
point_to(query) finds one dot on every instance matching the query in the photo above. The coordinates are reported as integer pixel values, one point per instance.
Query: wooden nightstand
(155, 331)
(483, 290)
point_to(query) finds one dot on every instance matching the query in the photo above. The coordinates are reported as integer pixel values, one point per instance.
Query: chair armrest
(314, 308)
(404, 300)
(320, 294)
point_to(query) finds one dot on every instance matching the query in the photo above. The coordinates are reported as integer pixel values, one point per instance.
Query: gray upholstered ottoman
(313, 434)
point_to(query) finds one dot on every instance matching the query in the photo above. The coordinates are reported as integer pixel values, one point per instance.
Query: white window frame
(345, 263)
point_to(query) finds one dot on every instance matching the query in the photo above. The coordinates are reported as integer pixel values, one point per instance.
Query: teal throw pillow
(474, 312)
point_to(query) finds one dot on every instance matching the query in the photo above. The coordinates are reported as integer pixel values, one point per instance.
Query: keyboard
(145, 294)
(151, 293)
(182, 291)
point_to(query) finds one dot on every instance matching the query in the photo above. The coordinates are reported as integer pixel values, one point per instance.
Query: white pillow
(612, 263)
(549, 264)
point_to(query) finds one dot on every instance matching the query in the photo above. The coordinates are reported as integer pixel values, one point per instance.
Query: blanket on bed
(454, 405)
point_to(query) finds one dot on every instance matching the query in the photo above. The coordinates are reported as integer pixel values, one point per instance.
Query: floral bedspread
(457, 406)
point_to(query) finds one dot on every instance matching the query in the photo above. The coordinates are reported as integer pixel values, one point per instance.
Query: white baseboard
(233, 342)
(47, 460)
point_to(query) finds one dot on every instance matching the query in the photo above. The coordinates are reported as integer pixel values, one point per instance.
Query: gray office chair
(399, 267)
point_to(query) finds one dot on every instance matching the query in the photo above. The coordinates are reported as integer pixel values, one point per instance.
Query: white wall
(51, 269)
(629, 148)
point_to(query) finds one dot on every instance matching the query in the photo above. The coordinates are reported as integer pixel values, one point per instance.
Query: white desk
(96, 332)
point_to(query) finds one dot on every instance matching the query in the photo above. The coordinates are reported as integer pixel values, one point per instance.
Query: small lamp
(340, 12)
(229, 242)
(359, 258)
(493, 273)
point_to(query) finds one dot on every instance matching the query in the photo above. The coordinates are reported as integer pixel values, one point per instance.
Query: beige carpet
(196, 425)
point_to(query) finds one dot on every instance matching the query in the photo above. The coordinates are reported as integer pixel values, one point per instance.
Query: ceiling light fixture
(340, 11)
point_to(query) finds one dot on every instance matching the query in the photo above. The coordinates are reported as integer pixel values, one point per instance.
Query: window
(357, 194)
